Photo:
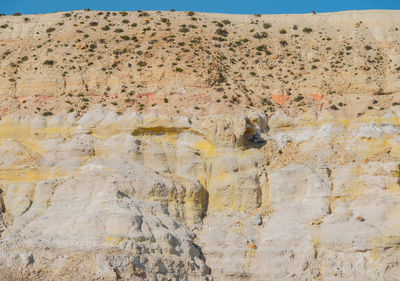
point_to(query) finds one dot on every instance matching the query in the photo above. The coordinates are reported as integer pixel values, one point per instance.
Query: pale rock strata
(129, 183)
(213, 197)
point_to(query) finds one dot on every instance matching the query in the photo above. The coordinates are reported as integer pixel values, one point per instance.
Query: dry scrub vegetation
(187, 60)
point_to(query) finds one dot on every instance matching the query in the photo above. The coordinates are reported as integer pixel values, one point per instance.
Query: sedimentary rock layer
(187, 146)
(153, 196)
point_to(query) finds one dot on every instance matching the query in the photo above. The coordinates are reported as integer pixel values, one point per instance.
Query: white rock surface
(208, 199)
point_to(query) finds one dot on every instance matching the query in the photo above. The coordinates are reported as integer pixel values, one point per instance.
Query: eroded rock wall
(132, 182)
(200, 146)
(224, 197)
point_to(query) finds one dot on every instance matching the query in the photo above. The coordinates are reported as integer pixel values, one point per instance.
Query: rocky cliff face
(286, 181)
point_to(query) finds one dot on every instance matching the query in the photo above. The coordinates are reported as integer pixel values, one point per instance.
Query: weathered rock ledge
(215, 197)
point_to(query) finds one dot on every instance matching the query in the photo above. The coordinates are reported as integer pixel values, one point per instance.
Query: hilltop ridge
(71, 60)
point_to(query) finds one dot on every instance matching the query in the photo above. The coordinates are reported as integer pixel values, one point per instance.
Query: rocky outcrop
(272, 154)
(222, 196)
(132, 183)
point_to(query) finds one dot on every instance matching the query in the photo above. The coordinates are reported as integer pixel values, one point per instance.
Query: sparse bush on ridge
(260, 35)
(221, 32)
(48, 62)
(143, 14)
(266, 25)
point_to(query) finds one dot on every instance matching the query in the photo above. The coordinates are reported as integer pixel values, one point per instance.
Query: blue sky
(233, 6)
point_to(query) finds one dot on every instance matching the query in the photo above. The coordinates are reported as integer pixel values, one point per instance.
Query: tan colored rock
(247, 160)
